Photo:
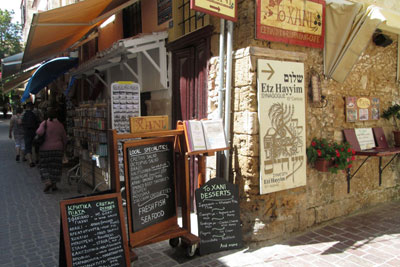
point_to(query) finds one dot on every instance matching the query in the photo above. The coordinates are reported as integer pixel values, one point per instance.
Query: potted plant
(393, 112)
(330, 156)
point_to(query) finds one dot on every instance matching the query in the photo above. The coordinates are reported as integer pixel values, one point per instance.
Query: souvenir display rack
(90, 134)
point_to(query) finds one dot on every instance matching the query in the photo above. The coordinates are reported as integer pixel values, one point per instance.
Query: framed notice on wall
(281, 114)
(362, 108)
(164, 11)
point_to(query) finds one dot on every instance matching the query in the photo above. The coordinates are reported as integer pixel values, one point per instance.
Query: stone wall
(276, 215)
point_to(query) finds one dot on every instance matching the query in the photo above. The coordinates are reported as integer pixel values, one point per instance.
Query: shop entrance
(190, 55)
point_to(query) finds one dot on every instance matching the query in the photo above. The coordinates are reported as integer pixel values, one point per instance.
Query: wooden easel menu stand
(150, 167)
(201, 154)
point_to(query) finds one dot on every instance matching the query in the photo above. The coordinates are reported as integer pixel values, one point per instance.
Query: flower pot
(323, 165)
(396, 135)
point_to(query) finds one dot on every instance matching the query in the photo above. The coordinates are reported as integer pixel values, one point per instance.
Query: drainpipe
(228, 83)
(221, 89)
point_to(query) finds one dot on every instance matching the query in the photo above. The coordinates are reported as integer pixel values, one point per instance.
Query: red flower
(337, 153)
(353, 151)
(349, 166)
(349, 150)
(313, 143)
(319, 153)
(353, 158)
(348, 159)
(342, 149)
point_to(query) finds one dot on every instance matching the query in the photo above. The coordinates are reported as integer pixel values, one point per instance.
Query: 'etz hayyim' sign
(281, 113)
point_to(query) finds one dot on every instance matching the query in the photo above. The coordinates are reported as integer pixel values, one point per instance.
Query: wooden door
(189, 67)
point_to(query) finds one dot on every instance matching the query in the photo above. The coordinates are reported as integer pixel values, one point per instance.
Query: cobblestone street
(30, 230)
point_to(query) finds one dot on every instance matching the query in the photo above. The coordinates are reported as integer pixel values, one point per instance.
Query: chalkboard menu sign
(218, 216)
(151, 181)
(94, 232)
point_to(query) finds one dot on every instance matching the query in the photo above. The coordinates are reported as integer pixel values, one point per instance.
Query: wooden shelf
(209, 152)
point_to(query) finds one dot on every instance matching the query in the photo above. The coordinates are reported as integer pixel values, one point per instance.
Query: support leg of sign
(191, 244)
(132, 255)
(186, 197)
(201, 171)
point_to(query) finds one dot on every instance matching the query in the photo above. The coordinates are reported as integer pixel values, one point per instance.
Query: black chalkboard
(218, 216)
(151, 182)
(94, 232)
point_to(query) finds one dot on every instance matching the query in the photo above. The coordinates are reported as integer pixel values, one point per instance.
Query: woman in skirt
(51, 152)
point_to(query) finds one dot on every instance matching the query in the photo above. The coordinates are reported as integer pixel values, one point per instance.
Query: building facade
(191, 91)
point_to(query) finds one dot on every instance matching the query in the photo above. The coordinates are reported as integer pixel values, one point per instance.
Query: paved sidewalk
(30, 229)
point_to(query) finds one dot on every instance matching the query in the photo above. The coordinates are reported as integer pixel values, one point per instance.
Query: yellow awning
(54, 31)
(392, 21)
(349, 29)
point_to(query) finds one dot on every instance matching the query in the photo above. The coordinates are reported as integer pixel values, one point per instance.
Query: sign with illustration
(222, 9)
(299, 22)
(362, 108)
(281, 114)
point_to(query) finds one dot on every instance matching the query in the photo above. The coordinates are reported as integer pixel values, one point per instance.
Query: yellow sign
(149, 124)
(363, 102)
(226, 9)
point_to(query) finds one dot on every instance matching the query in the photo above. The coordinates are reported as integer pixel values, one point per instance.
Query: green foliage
(10, 35)
(392, 112)
(340, 154)
(319, 148)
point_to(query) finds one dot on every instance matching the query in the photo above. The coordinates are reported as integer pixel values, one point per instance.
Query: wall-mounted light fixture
(381, 39)
(315, 90)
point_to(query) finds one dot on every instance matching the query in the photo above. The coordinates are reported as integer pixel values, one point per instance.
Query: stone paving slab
(30, 229)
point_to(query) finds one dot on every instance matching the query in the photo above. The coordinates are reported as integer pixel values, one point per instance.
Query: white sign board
(281, 114)
(125, 103)
(365, 138)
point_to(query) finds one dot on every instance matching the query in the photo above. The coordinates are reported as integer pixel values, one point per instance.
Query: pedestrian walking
(5, 110)
(17, 130)
(30, 123)
(51, 152)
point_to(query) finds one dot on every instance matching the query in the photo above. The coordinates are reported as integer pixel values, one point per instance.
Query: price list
(151, 179)
(218, 216)
(95, 234)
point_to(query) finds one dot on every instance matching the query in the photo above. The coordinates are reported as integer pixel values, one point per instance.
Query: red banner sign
(299, 22)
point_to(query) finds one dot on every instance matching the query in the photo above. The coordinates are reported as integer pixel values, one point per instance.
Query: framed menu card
(365, 138)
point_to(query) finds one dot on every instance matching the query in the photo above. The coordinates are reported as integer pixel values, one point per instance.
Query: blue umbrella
(46, 73)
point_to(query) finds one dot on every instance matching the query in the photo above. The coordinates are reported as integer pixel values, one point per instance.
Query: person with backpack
(30, 123)
(17, 130)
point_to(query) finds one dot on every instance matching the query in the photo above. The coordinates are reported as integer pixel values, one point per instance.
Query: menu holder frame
(168, 229)
(201, 154)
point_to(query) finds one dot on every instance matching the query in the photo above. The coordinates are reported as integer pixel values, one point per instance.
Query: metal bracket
(351, 175)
